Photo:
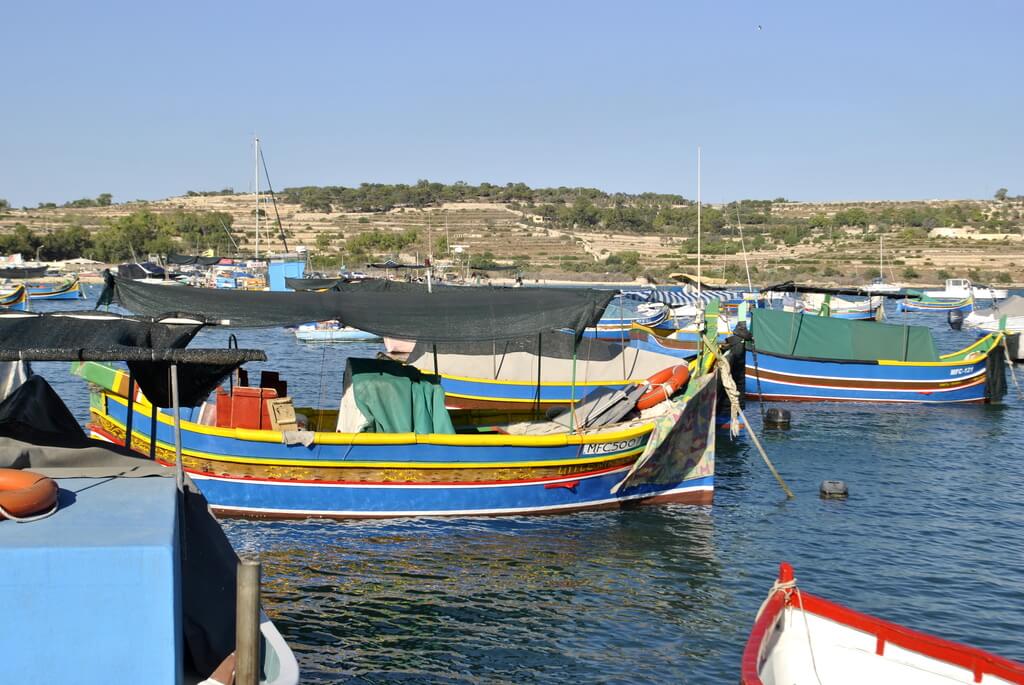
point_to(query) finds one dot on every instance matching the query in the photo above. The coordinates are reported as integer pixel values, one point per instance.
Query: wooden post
(131, 410)
(247, 623)
(179, 467)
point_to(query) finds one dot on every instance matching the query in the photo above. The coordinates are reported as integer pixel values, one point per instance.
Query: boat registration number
(961, 371)
(610, 447)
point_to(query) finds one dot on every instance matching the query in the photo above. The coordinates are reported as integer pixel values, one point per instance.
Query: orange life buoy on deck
(23, 493)
(663, 385)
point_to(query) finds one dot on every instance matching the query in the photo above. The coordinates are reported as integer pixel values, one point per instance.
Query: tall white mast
(698, 223)
(256, 169)
(881, 276)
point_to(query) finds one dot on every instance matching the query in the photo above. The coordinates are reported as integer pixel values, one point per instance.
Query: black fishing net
(186, 260)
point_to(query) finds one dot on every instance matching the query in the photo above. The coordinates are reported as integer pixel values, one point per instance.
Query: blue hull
(788, 378)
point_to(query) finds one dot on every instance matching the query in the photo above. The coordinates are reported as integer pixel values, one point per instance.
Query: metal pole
(179, 468)
(131, 410)
(256, 165)
(698, 224)
(247, 623)
(152, 431)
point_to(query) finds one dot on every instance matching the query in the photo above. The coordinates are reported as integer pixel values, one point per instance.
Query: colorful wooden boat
(801, 639)
(817, 304)
(624, 313)
(16, 298)
(925, 303)
(809, 358)
(480, 470)
(68, 290)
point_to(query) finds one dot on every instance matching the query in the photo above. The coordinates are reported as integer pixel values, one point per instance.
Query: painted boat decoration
(332, 331)
(665, 456)
(623, 313)
(794, 357)
(925, 303)
(802, 639)
(16, 298)
(68, 290)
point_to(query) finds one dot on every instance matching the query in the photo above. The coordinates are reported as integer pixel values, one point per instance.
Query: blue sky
(860, 100)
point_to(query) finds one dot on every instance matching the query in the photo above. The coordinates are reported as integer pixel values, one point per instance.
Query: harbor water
(931, 537)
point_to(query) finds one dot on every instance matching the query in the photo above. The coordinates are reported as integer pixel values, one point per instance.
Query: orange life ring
(663, 385)
(23, 493)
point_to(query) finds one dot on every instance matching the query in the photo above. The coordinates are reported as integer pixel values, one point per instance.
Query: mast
(256, 170)
(881, 276)
(698, 224)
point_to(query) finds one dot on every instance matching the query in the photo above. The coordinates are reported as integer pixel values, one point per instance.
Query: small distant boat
(961, 288)
(801, 639)
(622, 314)
(68, 290)
(22, 272)
(332, 331)
(927, 303)
(145, 272)
(837, 307)
(15, 298)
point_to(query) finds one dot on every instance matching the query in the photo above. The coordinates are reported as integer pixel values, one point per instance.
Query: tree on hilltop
(1001, 194)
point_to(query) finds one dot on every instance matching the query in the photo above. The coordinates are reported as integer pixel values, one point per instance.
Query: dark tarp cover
(207, 559)
(446, 315)
(22, 271)
(304, 284)
(824, 337)
(183, 259)
(34, 413)
(72, 333)
(392, 264)
(1011, 306)
(791, 287)
(396, 398)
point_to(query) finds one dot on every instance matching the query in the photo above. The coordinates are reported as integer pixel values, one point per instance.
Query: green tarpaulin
(395, 398)
(820, 337)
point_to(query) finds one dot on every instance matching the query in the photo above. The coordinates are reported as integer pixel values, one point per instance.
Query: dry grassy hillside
(510, 233)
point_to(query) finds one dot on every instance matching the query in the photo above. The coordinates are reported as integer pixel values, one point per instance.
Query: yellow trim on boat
(593, 459)
(477, 379)
(457, 440)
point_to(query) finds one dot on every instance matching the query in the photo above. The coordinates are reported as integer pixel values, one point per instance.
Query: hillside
(583, 238)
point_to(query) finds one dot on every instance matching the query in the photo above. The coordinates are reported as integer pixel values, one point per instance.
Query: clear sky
(808, 100)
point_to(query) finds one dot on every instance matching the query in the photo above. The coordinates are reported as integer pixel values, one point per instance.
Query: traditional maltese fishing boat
(813, 358)
(68, 290)
(927, 303)
(392, 448)
(799, 638)
(15, 298)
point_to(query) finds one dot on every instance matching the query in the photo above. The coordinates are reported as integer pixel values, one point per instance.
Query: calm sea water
(932, 536)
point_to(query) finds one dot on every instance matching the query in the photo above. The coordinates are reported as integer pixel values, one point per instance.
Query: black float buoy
(833, 489)
(777, 418)
(955, 317)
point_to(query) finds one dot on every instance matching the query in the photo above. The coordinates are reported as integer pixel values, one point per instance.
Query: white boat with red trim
(800, 638)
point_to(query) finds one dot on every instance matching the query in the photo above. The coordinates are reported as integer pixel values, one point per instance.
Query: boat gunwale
(974, 659)
(454, 440)
(944, 360)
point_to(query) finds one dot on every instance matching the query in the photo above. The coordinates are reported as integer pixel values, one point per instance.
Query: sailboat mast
(880, 274)
(256, 172)
(699, 280)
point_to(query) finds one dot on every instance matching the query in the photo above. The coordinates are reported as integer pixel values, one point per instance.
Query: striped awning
(676, 297)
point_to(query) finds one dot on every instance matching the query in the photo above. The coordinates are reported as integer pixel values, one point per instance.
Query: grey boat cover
(406, 312)
(596, 360)
(38, 432)
(1011, 306)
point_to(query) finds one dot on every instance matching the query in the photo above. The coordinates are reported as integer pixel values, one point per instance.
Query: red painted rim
(973, 659)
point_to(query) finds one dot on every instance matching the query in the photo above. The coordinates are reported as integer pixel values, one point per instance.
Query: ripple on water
(931, 537)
